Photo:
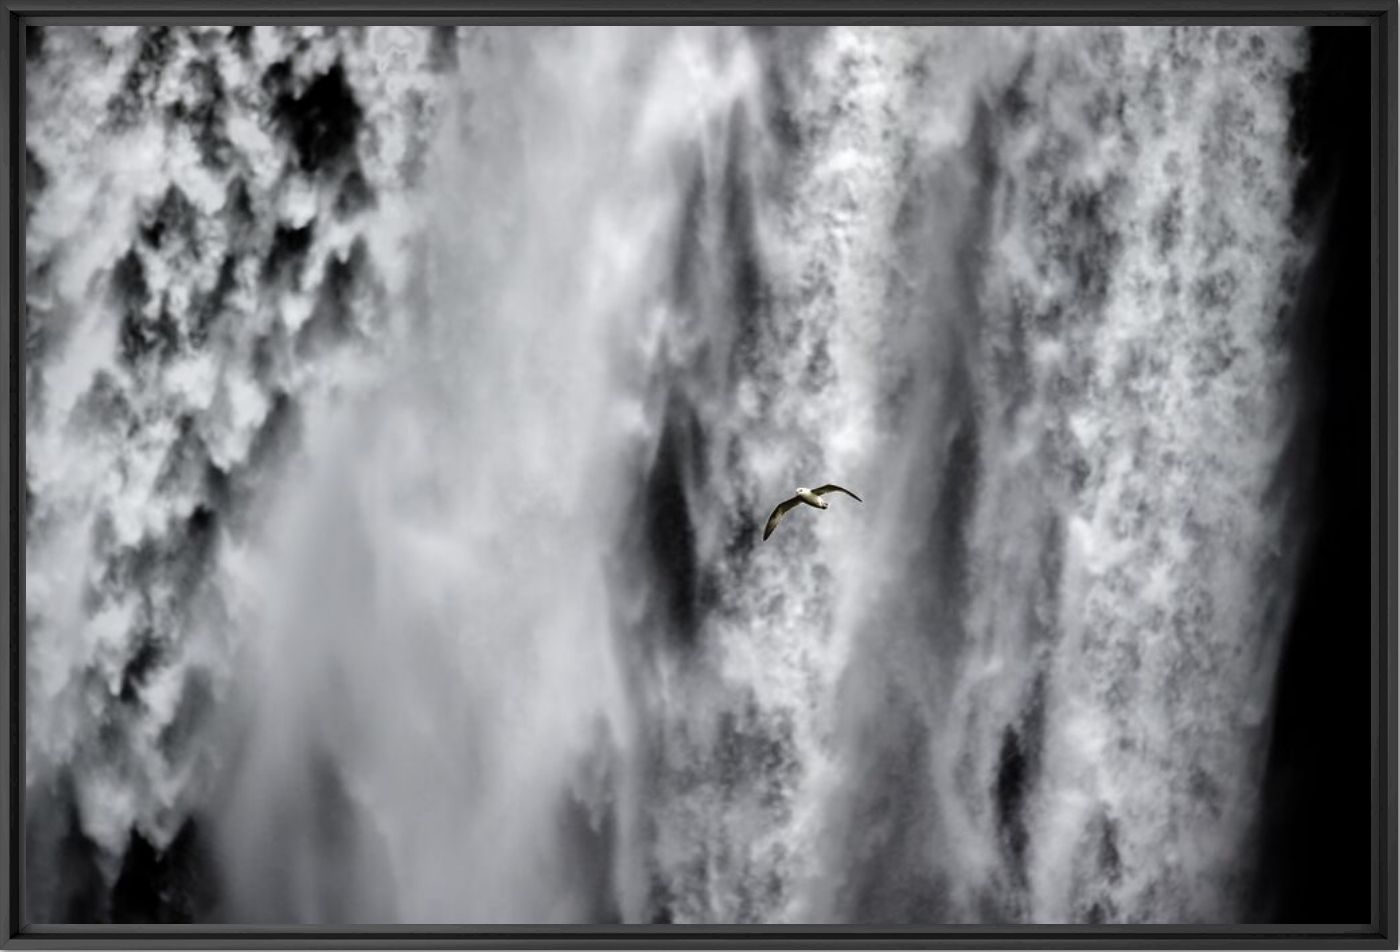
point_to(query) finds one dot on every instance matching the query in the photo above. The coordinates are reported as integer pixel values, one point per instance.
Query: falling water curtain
(398, 396)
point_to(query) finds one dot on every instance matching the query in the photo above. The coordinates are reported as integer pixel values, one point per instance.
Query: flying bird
(812, 497)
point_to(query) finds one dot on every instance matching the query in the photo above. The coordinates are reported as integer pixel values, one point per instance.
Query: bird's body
(812, 497)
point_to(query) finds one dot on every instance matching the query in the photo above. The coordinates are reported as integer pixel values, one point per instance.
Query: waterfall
(404, 406)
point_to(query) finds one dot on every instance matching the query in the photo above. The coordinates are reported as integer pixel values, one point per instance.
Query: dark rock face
(1316, 831)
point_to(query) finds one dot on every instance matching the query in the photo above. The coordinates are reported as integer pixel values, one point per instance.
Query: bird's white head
(802, 490)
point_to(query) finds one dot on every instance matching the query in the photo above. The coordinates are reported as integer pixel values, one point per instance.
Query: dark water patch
(169, 886)
(978, 178)
(1045, 605)
(36, 180)
(271, 356)
(45, 331)
(414, 164)
(1214, 356)
(335, 832)
(155, 49)
(204, 109)
(145, 338)
(745, 534)
(588, 845)
(673, 890)
(141, 336)
(1215, 290)
(1009, 354)
(748, 287)
(1097, 867)
(1214, 232)
(323, 122)
(173, 225)
(218, 487)
(1009, 791)
(279, 433)
(1182, 52)
(1017, 771)
(332, 319)
(128, 568)
(102, 538)
(1089, 241)
(785, 54)
(1231, 122)
(1166, 226)
(63, 882)
(750, 509)
(128, 282)
(208, 306)
(104, 407)
(956, 502)
(241, 39)
(1206, 791)
(287, 254)
(194, 550)
(782, 73)
(820, 371)
(663, 896)
(1015, 106)
(748, 293)
(111, 744)
(34, 521)
(1104, 109)
(788, 130)
(711, 594)
(689, 266)
(1110, 860)
(130, 292)
(667, 531)
(239, 217)
(140, 664)
(442, 49)
(355, 194)
(276, 80)
(192, 713)
(1101, 911)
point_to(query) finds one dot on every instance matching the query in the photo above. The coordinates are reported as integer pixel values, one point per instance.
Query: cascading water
(404, 405)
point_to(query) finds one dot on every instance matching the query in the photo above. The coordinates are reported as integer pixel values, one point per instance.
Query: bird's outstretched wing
(833, 488)
(778, 514)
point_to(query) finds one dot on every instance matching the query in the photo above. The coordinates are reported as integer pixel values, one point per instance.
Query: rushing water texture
(403, 407)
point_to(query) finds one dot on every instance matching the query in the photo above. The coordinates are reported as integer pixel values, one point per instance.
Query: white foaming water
(421, 569)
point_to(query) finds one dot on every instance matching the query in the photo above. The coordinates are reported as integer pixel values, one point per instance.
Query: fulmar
(812, 497)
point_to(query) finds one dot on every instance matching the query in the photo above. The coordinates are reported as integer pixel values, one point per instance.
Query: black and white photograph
(697, 474)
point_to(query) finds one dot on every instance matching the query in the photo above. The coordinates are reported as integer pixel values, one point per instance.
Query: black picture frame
(1378, 16)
